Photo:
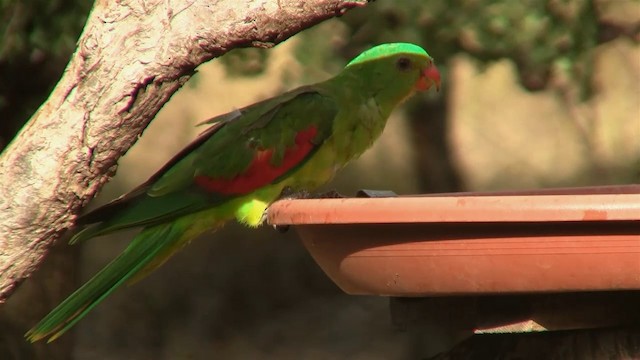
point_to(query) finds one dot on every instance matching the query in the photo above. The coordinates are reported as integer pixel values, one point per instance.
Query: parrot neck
(364, 88)
(362, 92)
(361, 119)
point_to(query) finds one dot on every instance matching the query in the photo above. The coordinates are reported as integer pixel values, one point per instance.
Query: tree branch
(131, 57)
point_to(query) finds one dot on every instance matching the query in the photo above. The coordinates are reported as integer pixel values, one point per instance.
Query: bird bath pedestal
(502, 261)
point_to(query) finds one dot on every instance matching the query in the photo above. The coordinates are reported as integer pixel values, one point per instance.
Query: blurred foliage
(536, 35)
(36, 39)
(540, 37)
(245, 62)
(28, 27)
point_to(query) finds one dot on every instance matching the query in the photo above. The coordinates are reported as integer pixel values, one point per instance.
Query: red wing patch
(261, 172)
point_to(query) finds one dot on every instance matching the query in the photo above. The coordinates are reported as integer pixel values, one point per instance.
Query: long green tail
(151, 244)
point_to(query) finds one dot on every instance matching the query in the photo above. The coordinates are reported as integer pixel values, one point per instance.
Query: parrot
(244, 161)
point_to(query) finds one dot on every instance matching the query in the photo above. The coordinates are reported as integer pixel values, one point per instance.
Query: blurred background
(535, 94)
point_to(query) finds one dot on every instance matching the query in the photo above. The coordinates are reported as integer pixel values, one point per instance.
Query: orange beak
(430, 76)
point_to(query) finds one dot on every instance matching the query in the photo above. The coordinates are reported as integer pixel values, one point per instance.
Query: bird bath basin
(554, 240)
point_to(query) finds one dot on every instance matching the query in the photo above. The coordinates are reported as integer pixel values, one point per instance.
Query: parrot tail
(148, 250)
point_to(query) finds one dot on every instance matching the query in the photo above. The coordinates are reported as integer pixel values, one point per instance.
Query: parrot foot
(289, 193)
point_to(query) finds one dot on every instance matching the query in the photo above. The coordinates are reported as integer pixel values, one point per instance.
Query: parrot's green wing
(259, 145)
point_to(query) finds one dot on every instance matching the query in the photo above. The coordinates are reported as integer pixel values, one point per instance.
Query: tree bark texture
(131, 57)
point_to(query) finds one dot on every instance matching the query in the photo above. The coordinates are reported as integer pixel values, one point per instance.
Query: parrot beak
(429, 76)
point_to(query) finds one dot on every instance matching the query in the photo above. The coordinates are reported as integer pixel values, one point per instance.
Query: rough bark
(131, 57)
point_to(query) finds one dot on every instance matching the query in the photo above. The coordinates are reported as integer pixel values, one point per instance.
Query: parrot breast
(261, 171)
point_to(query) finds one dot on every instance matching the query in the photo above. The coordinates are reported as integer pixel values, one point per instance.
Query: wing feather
(222, 154)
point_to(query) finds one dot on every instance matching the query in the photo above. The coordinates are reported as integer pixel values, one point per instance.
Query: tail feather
(86, 233)
(142, 251)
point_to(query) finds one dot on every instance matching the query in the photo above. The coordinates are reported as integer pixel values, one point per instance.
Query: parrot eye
(403, 64)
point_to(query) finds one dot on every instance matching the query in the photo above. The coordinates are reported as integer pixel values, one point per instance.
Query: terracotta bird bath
(468, 244)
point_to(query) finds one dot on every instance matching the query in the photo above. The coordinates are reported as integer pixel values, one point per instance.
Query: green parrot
(242, 163)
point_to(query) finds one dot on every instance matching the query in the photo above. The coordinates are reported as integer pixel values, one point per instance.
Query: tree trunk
(437, 169)
(131, 57)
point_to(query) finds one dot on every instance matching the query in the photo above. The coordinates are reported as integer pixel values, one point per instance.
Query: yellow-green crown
(385, 50)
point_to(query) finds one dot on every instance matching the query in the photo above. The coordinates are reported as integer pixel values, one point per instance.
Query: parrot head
(396, 69)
